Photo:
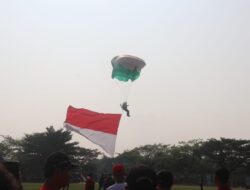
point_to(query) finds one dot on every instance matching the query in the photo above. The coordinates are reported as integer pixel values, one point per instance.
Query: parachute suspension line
(127, 91)
(124, 103)
(124, 89)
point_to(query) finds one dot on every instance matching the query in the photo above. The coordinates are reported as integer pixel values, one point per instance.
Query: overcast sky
(196, 84)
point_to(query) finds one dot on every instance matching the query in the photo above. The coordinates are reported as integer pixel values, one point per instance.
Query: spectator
(90, 184)
(141, 178)
(165, 180)
(7, 180)
(101, 181)
(221, 179)
(108, 181)
(118, 172)
(57, 171)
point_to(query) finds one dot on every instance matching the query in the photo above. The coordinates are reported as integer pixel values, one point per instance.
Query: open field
(79, 186)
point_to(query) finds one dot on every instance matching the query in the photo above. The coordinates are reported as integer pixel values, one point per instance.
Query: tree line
(192, 162)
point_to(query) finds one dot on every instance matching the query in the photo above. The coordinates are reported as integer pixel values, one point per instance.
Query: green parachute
(126, 67)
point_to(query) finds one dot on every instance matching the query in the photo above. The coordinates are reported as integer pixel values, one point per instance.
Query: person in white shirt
(118, 172)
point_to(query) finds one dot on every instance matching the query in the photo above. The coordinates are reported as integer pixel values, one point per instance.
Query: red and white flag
(100, 128)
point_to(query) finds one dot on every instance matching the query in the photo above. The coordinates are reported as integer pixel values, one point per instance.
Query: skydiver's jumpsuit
(125, 108)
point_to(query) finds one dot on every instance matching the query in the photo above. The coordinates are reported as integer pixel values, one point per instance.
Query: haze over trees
(190, 161)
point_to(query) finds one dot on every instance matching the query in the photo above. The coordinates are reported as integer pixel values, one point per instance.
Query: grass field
(80, 186)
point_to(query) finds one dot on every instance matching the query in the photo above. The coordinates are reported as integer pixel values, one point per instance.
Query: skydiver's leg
(127, 112)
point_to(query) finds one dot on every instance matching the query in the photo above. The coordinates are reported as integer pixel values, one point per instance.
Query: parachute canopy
(126, 67)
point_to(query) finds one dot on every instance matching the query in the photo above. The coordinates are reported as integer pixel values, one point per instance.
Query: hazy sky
(196, 84)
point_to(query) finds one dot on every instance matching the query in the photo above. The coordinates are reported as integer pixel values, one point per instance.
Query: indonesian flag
(100, 128)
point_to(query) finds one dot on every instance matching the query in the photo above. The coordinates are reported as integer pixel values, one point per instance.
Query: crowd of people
(58, 167)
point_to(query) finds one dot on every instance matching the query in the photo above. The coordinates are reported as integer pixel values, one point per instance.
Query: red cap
(118, 169)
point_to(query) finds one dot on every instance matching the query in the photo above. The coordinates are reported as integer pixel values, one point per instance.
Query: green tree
(229, 153)
(34, 148)
(9, 148)
(85, 158)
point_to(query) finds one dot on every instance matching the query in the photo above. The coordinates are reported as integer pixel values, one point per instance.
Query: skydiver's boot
(127, 113)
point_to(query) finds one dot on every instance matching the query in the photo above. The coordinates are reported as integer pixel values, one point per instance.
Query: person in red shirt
(221, 179)
(90, 183)
(57, 172)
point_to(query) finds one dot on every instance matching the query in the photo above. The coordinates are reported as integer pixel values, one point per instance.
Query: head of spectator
(57, 171)
(141, 178)
(118, 172)
(165, 180)
(8, 180)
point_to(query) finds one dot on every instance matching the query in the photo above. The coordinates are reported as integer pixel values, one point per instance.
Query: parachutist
(124, 106)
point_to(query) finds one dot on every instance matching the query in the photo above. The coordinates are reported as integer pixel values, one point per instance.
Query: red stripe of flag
(83, 118)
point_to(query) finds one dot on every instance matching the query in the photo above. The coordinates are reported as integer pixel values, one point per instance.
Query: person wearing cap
(118, 172)
(57, 171)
